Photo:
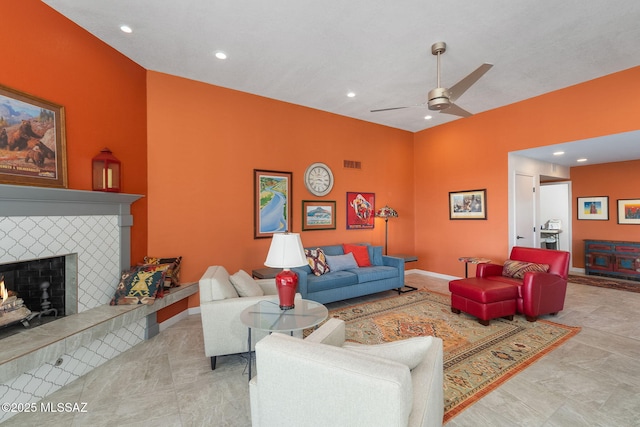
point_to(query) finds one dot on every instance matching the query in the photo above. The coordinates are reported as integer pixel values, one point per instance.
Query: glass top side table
(266, 315)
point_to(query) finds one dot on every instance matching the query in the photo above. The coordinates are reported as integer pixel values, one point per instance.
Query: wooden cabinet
(612, 258)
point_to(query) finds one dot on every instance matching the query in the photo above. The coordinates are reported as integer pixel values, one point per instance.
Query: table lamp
(285, 252)
(386, 213)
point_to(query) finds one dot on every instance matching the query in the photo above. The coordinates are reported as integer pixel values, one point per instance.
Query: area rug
(477, 358)
(605, 282)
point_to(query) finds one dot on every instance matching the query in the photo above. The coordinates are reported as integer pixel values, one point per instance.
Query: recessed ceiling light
(126, 29)
(221, 55)
(351, 94)
(428, 117)
(581, 160)
(558, 153)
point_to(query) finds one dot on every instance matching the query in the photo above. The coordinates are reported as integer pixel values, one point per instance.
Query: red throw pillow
(360, 253)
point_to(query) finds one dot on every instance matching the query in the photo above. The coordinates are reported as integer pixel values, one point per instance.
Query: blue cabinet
(612, 258)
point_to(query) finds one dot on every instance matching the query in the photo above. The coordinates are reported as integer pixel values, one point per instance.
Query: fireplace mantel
(16, 200)
(19, 200)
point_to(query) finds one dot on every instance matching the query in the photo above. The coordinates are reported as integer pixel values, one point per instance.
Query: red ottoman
(484, 299)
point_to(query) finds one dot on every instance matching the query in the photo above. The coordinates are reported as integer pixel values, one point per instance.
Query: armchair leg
(531, 318)
(484, 322)
(213, 363)
(455, 310)
(508, 317)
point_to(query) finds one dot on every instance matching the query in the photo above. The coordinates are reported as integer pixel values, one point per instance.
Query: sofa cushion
(517, 269)
(221, 287)
(409, 352)
(333, 250)
(244, 285)
(341, 262)
(375, 254)
(335, 279)
(360, 253)
(317, 261)
(370, 274)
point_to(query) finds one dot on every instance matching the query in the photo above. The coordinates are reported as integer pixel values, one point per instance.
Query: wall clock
(318, 179)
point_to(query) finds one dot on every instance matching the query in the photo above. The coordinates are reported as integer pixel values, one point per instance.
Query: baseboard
(432, 274)
(576, 270)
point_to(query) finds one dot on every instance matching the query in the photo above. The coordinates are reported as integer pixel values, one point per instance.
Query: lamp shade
(286, 251)
(386, 212)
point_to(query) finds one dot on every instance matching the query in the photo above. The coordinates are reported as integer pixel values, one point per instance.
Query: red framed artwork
(360, 210)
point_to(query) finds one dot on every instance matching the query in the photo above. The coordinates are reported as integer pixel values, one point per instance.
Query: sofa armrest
(302, 280)
(542, 292)
(392, 261)
(486, 270)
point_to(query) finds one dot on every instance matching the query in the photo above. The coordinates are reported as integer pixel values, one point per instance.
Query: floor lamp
(386, 213)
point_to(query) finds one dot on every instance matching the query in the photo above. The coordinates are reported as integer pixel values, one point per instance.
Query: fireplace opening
(35, 293)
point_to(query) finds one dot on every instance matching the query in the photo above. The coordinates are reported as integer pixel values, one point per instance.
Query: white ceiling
(311, 53)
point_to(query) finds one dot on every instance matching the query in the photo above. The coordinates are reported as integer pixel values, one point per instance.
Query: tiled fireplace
(93, 230)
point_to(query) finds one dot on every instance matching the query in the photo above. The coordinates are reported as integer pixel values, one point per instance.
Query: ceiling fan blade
(461, 87)
(397, 108)
(456, 111)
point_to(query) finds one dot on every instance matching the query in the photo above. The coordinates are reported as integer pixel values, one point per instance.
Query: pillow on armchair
(517, 269)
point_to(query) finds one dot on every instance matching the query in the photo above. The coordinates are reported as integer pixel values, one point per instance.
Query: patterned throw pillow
(517, 269)
(140, 284)
(317, 261)
(172, 278)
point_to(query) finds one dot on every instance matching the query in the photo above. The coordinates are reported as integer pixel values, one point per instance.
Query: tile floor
(592, 380)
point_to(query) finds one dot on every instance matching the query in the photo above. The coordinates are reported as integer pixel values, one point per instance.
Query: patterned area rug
(477, 358)
(605, 282)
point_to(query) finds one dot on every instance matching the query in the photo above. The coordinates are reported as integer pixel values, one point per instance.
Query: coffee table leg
(249, 353)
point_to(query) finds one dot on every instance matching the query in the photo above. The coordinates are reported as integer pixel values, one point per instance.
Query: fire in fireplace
(32, 293)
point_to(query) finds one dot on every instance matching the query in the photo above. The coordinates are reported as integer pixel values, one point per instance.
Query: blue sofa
(385, 273)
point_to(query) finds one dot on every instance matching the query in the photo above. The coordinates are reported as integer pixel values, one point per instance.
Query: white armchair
(322, 381)
(220, 307)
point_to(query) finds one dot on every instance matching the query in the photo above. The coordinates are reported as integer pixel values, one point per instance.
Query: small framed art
(272, 202)
(360, 210)
(318, 215)
(594, 208)
(468, 204)
(629, 211)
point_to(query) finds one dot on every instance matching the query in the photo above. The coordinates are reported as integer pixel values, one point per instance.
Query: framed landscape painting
(629, 211)
(360, 210)
(32, 141)
(318, 215)
(468, 204)
(272, 202)
(594, 208)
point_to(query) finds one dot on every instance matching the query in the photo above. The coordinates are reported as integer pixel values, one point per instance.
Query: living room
(190, 149)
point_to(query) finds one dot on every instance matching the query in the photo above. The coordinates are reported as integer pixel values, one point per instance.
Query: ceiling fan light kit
(442, 99)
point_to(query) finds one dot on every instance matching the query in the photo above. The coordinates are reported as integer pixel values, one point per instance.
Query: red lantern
(106, 172)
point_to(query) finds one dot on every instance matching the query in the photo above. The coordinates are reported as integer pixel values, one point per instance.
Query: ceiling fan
(442, 99)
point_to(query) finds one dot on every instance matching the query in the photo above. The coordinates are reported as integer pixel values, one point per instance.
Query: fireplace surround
(93, 227)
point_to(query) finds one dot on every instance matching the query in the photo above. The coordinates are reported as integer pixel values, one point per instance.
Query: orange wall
(615, 180)
(104, 95)
(472, 154)
(205, 142)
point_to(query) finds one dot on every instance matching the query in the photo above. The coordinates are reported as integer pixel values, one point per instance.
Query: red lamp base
(286, 283)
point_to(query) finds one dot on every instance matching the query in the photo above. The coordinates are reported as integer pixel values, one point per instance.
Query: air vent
(352, 164)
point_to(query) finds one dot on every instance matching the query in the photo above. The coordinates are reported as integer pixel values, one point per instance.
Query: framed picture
(272, 202)
(360, 210)
(32, 141)
(469, 204)
(318, 215)
(596, 208)
(629, 211)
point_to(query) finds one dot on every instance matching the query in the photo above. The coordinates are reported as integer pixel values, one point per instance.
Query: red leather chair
(537, 294)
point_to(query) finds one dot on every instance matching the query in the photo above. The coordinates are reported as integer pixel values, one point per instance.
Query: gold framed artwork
(468, 204)
(32, 140)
